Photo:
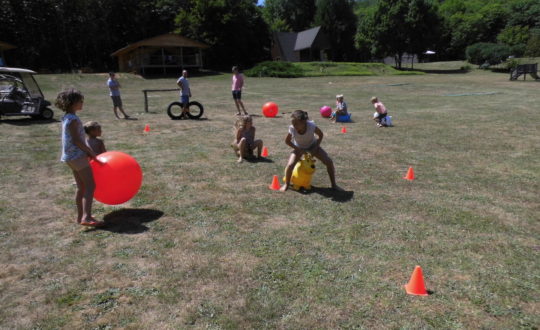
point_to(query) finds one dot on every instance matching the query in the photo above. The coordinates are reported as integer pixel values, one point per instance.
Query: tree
(234, 29)
(289, 15)
(338, 21)
(400, 26)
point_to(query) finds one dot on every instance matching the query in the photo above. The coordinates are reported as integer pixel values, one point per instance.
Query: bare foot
(337, 188)
(240, 160)
(92, 223)
(284, 188)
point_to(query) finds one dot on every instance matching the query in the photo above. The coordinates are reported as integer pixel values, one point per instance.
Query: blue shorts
(184, 99)
(236, 95)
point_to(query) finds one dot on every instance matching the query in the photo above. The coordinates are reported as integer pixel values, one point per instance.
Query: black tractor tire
(195, 110)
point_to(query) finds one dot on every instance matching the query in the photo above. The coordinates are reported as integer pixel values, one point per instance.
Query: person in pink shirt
(381, 111)
(237, 84)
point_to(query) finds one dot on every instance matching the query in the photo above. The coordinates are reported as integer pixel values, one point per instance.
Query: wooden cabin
(162, 54)
(304, 46)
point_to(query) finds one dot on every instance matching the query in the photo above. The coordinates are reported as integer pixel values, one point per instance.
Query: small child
(245, 142)
(341, 108)
(237, 84)
(75, 154)
(381, 111)
(301, 139)
(93, 132)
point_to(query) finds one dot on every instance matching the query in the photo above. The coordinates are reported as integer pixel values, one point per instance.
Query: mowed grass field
(206, 244)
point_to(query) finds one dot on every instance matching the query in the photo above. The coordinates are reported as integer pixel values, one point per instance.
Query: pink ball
(270, 109)
(118, 177)
(326, 111)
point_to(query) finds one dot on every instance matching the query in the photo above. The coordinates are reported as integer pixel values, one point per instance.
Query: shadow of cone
(146, 128)
(410, 174)
(275, 183)
(264, 152)
(416, 284)
(344, 129)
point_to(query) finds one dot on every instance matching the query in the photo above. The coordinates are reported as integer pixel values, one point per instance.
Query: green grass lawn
(206, 244)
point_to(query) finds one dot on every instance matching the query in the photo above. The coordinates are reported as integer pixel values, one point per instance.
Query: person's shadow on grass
(340, 196)
(129, 221)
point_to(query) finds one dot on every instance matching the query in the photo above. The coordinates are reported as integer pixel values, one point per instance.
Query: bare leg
(237, 106)
(259, 145)
(123, 113)
(293, 159)
(87, 179)
(79, 196)
(115, 113)
(242, 105)
(242, 149)
(327, 161)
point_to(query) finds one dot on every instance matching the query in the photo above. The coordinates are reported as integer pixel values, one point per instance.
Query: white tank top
(305, 140)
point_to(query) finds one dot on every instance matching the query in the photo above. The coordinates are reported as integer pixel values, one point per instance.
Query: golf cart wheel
(175, 110)
(47, 114)
(195, 110)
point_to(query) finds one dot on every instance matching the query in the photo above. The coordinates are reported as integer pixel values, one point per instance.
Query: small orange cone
(265, 152)
(275, 183)
(146, 128)
(416, 283)
(344, 129)
(410, 174)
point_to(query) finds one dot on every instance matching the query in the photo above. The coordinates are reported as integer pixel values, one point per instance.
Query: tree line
(69, 34)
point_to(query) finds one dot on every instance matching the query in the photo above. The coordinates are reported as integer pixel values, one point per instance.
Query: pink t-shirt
(237, 82)
(380, 107)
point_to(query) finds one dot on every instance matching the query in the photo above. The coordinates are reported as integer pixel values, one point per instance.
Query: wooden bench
(523, 69)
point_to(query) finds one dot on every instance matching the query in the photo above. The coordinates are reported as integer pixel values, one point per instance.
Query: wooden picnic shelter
(161, 54)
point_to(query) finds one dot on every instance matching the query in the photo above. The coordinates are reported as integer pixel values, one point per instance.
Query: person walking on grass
(237, 84)
(114, 92)
(185, 93)
(75, 154)
(301, 139)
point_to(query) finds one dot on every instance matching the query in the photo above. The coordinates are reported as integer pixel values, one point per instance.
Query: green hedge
(275, 69)
(320, 69)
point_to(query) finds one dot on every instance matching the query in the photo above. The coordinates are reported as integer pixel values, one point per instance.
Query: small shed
(160, 54)
(304, 46)
(4, 46)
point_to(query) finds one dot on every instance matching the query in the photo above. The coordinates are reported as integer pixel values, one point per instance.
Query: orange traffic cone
(146, 128)
(275, 183)
(265, 152)
(410, 174)
(344, 129)
(416, 283)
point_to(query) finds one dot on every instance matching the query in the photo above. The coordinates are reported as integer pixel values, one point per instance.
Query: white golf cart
(20, 94)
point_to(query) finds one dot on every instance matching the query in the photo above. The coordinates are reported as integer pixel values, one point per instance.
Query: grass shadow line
(129, 221)
(29, 121)
(340, 196)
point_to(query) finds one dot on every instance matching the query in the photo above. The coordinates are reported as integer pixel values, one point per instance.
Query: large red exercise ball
(270, 109)
(326, 111)
(118, 177)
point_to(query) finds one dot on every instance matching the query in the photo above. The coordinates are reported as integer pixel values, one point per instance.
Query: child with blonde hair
(301, 139)
(93, 132)
(245, 143)
(75, 154)
(341, 108)
(381, 111)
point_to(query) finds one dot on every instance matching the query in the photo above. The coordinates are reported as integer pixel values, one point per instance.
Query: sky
(261, 2)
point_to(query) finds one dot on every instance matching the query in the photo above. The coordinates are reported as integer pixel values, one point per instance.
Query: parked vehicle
(20, 94)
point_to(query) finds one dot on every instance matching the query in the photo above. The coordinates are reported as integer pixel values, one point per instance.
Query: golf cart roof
(5, 69)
